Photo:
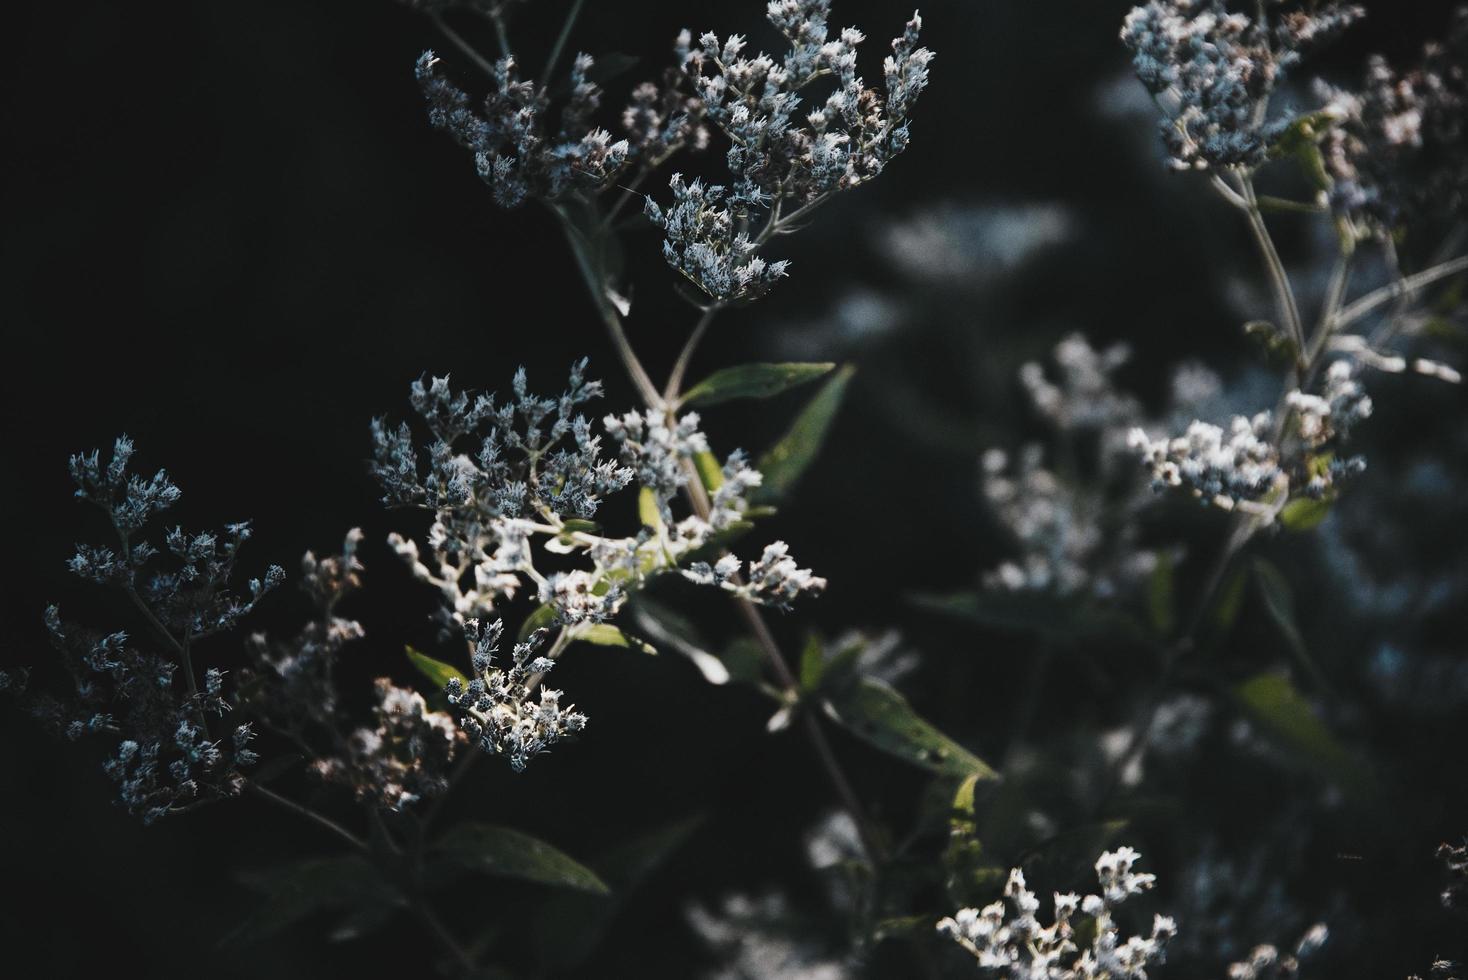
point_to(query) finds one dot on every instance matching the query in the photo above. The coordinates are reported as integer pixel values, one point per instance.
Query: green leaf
(1279, 602)
(710, 473)
(507, 853)
(541, 617)
(786, 461)
(673, 630)
(1280, 711)
(1230, 601)
(1304, 513)
(1038, 614)
(1161, 596)
(297, 891)
(1301, 140)
(607, 635)
(570, 926)
(812, 664)
(436, 671)
(752, 381)
(577, 524)
(876, 713)
(648, 509)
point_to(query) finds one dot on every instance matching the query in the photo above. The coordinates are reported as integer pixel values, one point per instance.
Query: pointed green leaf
(672, 629)
(1029, 613)
(570, 926)
(752, 381)
(607, 635)
(541, 617)
(507, 853)
(1304, 513)
(436, 671)
(1161, 598)
(786, 461)
(1279, 602)
(1274, 704)
(876, 713)
(812, 664)
(295, 892)
(710, 473)
(648, 509)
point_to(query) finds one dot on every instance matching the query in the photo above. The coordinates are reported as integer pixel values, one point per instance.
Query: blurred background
(230, 233)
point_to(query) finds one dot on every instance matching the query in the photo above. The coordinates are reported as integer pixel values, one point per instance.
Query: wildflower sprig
(165, 758)
(780, 168)
(498, 708)
(537, 475)
(1214, 71)
(1006, 937)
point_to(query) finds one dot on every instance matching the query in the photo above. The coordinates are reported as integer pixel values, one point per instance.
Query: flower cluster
(1074, 531)
(290, 685)
(1397, 147)
(522, 157)
(1254, 460)
(1212, 72)
(1009, 940)
(537, 474)
(1219, 467)
(164, 759)
(404, 758)
(782, 165)
(1267, 963)
(701, 243)
(498, 706)
(1455, 862)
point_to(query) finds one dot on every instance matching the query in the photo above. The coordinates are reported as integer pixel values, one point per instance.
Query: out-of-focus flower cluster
(537, 473)
(1073, 520)
(782, 165)
(402, 759)
(498, 706)
(290, 686)
(1006, 937)
(1213, 71)
(521, 156)
(1266, 962)
(1396, 148)
(164, 758)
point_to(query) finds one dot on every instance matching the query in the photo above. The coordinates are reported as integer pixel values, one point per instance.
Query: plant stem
(441, 932)
(560, 45)
(1379, 297)
(680, 366)
(698, 498)
(1284, 295)
(592, 275)
(465, 48)
(304, 811)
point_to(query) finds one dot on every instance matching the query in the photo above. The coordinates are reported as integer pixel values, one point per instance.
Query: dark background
(229, 232)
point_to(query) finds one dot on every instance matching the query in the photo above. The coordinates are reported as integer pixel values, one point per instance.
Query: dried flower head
(499, 706)
(782, 165)
(165, 759)
(1213, 71)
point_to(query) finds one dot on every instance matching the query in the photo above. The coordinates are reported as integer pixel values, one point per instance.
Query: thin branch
(591, 274)
(304, 811)
(680, 366)
(465, 48)
(1284, 295)
(560, 45)
(1379, 297)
